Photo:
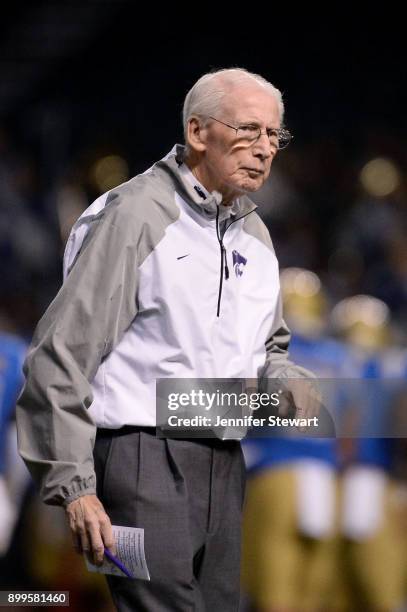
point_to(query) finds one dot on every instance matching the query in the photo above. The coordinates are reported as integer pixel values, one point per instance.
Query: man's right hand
(90, 527)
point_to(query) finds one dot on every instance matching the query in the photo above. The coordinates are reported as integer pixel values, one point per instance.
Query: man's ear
(196, 134)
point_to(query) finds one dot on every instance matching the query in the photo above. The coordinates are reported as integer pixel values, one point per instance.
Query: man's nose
(261, 147)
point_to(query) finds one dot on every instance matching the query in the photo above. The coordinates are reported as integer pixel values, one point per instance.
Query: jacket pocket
(120, 477)
(102, 456)
(106, 471)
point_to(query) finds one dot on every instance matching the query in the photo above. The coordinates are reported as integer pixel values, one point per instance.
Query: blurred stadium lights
(380, 177)
(108, 172)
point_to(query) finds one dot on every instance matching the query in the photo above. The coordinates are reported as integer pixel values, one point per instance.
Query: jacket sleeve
(278, 364)
(87, 318)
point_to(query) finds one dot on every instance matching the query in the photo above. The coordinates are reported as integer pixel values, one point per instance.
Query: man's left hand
(306, 397)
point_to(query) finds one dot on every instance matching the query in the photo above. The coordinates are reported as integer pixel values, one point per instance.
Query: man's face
(233, 166)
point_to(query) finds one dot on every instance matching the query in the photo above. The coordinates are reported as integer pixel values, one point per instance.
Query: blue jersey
(12, 353)
(385, 373)
(331, 359)
(327, 358)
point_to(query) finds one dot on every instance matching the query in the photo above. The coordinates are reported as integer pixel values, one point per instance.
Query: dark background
(84, 80)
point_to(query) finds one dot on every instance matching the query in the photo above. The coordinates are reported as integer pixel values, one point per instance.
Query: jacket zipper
(223, 253)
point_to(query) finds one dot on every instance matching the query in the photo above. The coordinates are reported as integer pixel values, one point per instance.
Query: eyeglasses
(248, 133)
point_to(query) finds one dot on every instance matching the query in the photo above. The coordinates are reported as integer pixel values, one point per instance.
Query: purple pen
(118, 563)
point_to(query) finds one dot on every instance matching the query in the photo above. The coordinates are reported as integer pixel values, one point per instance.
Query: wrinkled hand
(306, 397)
(90, 527)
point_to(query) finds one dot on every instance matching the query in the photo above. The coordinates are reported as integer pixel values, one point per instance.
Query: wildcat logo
(238, 263)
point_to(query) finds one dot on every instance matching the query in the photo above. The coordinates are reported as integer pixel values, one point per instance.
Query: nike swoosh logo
(182, 256)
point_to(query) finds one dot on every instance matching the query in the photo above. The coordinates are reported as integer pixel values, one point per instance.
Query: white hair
(205, 98)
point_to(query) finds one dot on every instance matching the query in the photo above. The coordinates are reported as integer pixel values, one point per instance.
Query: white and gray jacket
(156, 286)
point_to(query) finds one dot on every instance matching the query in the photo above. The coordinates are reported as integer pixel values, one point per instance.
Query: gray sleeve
(87, 318)
(278, 364)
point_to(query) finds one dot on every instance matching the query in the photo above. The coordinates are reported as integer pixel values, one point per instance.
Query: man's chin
(243, 187)
(251, 185)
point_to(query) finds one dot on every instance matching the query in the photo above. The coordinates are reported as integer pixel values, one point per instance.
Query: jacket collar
(195, 194)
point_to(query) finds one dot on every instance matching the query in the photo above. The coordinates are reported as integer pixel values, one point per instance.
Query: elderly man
(171, 274)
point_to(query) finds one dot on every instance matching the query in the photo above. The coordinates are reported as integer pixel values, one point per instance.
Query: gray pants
(187, 495)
